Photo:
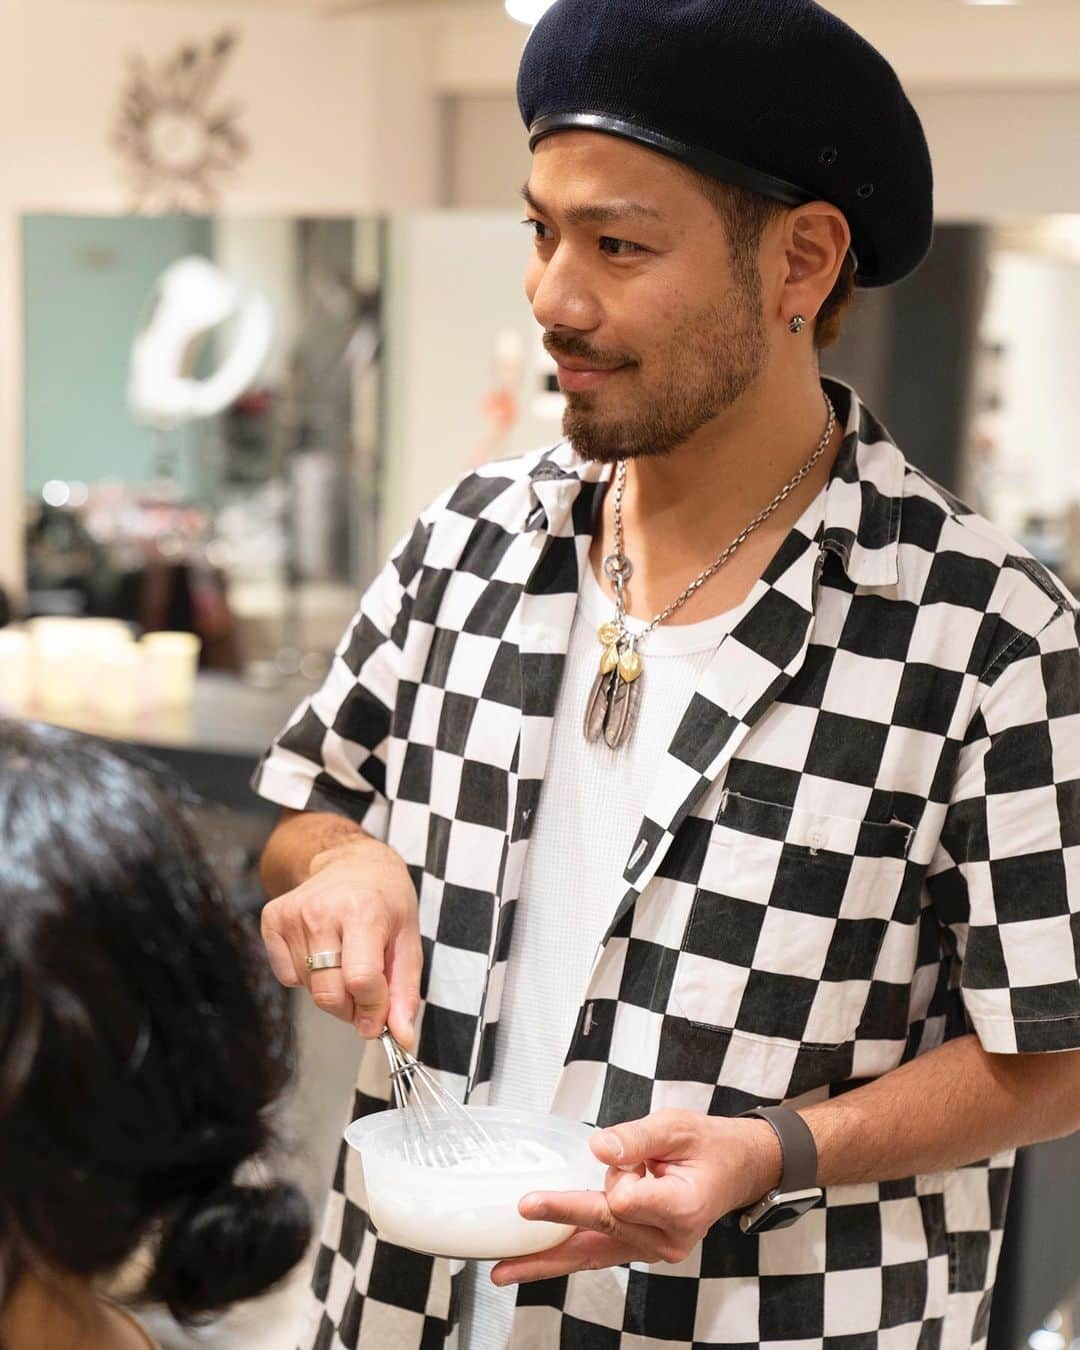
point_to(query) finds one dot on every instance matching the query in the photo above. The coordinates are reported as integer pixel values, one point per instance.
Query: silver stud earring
(797, 324)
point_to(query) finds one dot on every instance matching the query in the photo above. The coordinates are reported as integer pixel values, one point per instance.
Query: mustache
(576, 349)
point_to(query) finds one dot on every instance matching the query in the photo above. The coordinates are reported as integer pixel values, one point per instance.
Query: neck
(59, 1313)
(716, 482)
(681, 509)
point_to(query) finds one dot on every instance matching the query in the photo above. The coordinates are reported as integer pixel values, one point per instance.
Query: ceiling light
(991, 2)
(527, 11)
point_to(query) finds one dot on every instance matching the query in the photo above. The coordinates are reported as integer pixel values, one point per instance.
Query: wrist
(356, 847)
(763, 1163)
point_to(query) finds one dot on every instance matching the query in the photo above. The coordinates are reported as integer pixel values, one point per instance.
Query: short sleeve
(1006, 876)
(332, 754)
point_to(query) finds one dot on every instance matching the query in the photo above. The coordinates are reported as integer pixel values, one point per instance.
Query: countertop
(213, 744)
(226, 717)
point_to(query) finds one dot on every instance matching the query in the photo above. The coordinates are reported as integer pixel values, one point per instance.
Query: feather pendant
(596, 710)
(622, 707)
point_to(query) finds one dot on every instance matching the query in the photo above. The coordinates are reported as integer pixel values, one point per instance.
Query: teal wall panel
(86, 280)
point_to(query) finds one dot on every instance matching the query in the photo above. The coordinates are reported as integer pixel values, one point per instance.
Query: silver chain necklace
(616, 692)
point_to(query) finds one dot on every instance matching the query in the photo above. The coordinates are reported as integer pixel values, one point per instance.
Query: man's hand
(670, 1177)
(357, 899)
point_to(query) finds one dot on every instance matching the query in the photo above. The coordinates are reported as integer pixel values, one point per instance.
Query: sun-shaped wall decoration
(175, 143)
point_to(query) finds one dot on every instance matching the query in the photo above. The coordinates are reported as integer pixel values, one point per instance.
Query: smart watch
(797, 1190)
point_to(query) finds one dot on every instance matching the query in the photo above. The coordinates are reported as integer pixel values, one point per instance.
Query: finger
(286, 922)
(589, 1210)
(278, 953)
(363, 960)
(327, 987)
(404, 963)
(662, 1203)
(664, 1134)
(298, 951)
(583, 1251)
(583, 1209)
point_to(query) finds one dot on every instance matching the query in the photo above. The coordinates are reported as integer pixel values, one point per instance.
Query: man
(799, 831)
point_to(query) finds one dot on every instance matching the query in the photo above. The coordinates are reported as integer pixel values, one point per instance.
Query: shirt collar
(864, 495)
(862, 499)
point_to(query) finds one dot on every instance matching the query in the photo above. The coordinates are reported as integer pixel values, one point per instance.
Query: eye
(623, 246)
(537, 227)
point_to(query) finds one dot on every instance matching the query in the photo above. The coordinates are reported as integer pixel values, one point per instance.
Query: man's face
(630, 275)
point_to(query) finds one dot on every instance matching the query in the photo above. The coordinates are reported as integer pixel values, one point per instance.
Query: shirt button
(815, 838)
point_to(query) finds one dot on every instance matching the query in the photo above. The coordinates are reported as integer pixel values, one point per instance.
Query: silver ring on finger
(324, 961)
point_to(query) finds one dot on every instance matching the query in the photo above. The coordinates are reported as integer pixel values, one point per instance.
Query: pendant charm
(609, 633)
(630, 666)
(622, 709)
(597, 707)
(616, 691)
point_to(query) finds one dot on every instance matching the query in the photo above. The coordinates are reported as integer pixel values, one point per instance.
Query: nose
(560, 294)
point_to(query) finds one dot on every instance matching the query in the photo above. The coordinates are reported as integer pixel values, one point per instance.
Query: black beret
(779, 96)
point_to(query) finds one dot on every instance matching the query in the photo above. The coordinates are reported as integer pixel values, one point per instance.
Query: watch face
(784, 1215)
(780, 1212)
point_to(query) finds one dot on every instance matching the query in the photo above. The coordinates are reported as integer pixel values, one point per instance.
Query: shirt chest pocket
(787, 921)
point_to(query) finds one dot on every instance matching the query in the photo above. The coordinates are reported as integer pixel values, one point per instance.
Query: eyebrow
(598, 213)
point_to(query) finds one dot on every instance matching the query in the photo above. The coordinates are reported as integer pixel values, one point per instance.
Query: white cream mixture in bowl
(470, 1209)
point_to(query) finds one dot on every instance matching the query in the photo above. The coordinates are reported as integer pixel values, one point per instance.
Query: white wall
(488, 155)
(338, 113)
(455, 280)
(998, 154)
(931, 43)
(261, 253)
(998, 89)
(341, 116)
(1032, 311)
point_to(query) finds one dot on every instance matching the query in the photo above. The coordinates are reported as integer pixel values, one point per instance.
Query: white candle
(107, 645)
(57, 669)
(172, 660)
(16, 669)
(69, 659)
(119, 690)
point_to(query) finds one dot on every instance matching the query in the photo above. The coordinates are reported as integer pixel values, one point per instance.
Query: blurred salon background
(261, 298)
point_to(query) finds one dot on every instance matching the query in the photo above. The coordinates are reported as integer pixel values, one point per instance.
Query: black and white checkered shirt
(863, 840)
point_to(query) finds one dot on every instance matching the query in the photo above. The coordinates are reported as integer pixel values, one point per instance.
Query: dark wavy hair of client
(140, 1047)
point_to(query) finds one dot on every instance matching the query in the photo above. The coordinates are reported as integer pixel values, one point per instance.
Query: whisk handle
(398, 1064)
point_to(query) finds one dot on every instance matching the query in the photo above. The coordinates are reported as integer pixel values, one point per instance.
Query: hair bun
(230, 1244)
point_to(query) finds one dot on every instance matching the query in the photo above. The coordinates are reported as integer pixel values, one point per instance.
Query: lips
(575, 381)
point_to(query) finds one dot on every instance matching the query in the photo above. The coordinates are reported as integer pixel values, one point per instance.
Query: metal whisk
(438, 1130)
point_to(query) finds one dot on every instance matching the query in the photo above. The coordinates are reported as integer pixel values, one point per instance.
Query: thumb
(661, 1135)
(404, 963)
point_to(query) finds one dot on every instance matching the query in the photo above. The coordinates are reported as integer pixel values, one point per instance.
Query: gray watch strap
(797, 1147)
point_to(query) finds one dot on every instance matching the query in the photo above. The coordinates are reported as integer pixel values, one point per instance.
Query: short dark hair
(746, 215)
(141, 1043)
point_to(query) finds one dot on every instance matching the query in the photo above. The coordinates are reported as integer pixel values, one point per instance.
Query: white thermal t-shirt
(587, 819)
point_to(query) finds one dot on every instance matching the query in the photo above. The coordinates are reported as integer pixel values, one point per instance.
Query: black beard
(715, 358)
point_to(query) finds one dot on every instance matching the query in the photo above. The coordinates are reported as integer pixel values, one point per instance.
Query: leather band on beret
(717, 166)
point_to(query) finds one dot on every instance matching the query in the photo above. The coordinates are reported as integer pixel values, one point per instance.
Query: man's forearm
(297, 841)
(952, 1106)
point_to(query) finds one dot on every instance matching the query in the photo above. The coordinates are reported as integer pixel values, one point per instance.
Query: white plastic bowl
(473, 1212)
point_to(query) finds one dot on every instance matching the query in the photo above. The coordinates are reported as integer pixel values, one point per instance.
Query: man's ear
(816, 241)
